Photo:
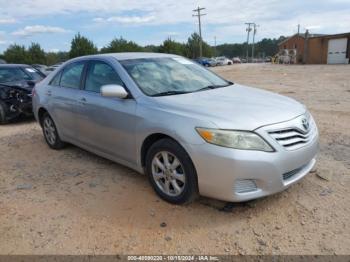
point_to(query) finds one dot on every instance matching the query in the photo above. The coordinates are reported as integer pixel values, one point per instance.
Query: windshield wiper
(172, 92)
(213, 87)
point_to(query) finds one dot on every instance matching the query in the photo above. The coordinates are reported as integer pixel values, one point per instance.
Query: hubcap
(168, 173)
(49, 130)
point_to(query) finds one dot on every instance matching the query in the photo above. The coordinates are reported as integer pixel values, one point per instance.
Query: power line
(248, 29)
(198, 11)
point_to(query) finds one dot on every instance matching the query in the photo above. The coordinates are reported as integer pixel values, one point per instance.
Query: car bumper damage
(16, 100)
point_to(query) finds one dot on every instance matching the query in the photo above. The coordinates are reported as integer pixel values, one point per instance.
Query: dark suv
(16, 84)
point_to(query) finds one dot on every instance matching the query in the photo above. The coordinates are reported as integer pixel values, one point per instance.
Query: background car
(52, 68)
(41, 68)
(16, 84)
(206, 61)
(222, 60)
(236, 60)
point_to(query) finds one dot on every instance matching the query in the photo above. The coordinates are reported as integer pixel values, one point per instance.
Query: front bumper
(230, 174)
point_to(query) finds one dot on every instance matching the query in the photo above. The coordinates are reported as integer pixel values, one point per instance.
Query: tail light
(33, 92)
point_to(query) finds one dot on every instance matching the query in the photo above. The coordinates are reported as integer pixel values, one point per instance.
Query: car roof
(131, 55)
(14, 65)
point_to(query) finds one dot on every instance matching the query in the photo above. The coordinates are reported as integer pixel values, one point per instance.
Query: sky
(53, 23)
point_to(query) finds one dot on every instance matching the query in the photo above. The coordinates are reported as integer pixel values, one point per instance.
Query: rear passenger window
(71, 75)
(56, 80)
(99, 74)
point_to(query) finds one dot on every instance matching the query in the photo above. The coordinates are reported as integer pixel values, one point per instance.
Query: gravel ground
(73, 202)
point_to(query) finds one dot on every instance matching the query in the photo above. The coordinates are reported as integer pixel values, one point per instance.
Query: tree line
(80, 45)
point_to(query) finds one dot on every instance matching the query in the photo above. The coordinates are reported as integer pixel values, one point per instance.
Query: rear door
(63, 92)
(106, 125)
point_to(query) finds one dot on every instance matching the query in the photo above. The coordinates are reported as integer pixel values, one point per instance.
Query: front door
(106, 124)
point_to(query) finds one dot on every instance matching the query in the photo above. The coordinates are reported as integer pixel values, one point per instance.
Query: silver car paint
(116, 128)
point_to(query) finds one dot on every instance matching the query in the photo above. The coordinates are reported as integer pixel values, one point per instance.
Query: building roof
(301, 35)
(317, 35)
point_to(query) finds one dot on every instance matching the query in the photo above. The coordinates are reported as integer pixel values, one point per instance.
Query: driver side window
(99, 74)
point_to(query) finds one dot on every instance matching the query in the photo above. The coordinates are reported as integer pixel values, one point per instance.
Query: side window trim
(59, 75)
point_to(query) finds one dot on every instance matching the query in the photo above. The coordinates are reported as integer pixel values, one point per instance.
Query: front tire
(50, 133)
(3, 111)
(171, 172)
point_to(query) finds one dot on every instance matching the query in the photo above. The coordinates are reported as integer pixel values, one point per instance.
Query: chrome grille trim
(295, 136)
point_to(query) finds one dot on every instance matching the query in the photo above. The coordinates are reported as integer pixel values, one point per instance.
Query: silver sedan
(190, 131)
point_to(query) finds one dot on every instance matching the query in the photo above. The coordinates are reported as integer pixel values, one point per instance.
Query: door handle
(48, 93)
(82, 100)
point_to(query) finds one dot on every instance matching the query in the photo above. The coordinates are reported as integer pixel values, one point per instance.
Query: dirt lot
(73, 202)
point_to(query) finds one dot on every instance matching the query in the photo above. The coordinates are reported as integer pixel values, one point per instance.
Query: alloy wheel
(49, 130)
(168, 173)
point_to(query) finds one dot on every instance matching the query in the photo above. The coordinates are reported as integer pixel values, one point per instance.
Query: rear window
(10, 74)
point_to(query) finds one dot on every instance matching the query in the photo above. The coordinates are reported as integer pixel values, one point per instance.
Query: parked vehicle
(223, 61)
(236, 60)
(16, 84)
(189, 130)
(41, 68)
(206, 61)
(52, 68)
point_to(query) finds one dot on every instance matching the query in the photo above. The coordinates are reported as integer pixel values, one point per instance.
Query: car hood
(234, 107)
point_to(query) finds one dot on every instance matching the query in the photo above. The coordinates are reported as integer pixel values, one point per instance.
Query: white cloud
(225, 18)
(125, 19)
(39, 29)
(7, 20)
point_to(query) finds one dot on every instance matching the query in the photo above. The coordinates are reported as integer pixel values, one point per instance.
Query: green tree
(151, 48)
(80, 46)
(16, 54)
(121, 45)
(192, 47)
(172, 47)
(55, 57)
(36, 54)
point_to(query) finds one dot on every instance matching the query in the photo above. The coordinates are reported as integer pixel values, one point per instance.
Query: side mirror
(114, 91)
(31, 83)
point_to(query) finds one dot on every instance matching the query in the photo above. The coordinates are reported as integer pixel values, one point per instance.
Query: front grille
(290, 174)
(244, 186)
(294, 137)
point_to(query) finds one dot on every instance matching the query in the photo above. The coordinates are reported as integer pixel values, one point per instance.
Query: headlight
(235, 139)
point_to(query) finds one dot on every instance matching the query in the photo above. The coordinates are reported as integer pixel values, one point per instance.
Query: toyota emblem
(305, 124)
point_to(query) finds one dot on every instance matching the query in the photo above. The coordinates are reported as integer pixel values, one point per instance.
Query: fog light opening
(244, 186)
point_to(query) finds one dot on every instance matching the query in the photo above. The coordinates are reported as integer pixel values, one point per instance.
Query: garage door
(337, 51)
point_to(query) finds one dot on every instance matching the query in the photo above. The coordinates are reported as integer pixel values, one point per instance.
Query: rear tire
(171, 172)
(3, 111)
(50, 133)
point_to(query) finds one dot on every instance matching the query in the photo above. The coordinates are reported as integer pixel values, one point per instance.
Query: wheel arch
(151, 139)
(41, 113)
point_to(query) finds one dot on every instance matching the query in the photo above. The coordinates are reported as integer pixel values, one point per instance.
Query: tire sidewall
(191, 188)
(58, 143)
(2, 113)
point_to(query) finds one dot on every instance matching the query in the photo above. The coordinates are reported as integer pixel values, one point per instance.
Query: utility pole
(198, 11)
(248, 31)
(254, 32)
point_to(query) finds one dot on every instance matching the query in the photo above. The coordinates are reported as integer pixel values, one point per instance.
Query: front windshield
(174, 75)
